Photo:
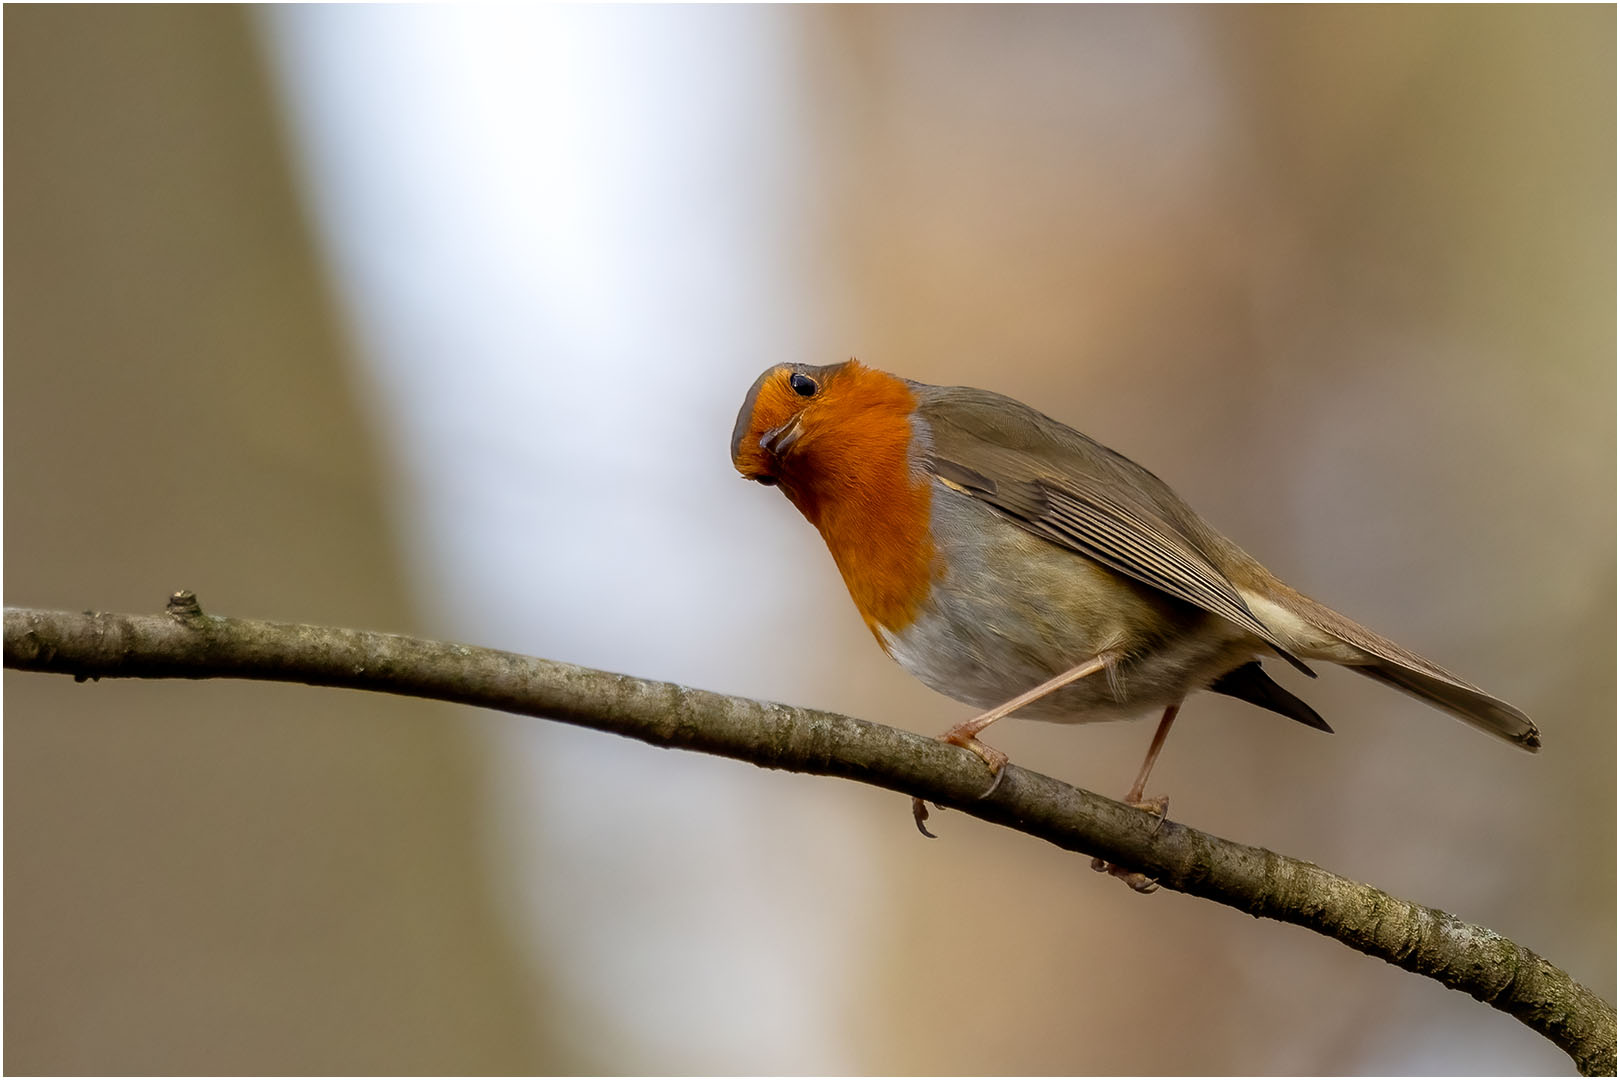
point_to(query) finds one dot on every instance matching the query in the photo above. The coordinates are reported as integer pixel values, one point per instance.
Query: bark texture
(186, 643)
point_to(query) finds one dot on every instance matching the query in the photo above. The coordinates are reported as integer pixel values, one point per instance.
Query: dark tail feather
(1249, 683)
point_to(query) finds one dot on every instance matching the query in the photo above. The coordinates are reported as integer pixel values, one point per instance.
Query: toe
(993, 758)
(1159, 805)
(1138, 881)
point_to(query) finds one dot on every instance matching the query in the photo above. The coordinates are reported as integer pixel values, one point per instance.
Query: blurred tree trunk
(247, 880)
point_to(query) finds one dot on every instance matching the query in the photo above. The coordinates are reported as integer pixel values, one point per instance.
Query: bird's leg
(1159, 804)
(966, 733)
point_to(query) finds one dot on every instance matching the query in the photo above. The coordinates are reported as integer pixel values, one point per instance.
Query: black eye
(802, 384)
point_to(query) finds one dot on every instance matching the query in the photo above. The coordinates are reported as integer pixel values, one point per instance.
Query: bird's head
(808, 427)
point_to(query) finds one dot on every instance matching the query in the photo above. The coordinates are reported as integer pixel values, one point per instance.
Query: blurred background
(435, 320)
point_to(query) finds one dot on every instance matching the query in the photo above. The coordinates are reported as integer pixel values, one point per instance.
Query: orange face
(800, 423)
(772, 418)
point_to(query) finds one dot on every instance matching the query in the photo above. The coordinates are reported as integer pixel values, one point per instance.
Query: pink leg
(1134, 796)
(966, 734)
(1159, 805)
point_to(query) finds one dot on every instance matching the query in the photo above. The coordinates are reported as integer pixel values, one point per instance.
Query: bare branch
(185, 643)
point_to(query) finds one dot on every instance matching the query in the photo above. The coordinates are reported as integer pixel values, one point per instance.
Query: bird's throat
(855, 481)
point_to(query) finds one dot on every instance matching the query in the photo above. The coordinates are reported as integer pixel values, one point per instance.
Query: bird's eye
(802, 384)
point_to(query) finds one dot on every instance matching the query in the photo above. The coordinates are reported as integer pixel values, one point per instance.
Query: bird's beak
(779, 440)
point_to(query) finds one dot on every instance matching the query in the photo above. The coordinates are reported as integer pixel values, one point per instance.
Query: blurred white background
(1345, 278)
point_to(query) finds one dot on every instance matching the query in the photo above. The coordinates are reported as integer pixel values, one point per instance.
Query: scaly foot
(1159, 806)
(963, 735)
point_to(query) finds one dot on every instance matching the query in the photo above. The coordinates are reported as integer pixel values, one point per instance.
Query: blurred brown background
(1344, 277)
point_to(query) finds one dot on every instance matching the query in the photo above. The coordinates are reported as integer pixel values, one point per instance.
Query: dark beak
(779, 440)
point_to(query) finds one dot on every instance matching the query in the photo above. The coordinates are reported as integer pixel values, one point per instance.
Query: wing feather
(1063, 487)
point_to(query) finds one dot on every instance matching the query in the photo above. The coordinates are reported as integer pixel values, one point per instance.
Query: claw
(919, 814)
(995, 782)
(1159, 806)
(993, 758)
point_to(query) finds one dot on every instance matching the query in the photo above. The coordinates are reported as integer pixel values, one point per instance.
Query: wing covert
(1078, 494)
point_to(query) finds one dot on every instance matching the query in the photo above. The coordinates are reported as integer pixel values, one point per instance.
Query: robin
(1012, 563)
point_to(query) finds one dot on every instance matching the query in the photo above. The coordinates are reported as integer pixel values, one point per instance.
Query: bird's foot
(1159, 806)
(966, 736)
(1138, 881)
(963, 735)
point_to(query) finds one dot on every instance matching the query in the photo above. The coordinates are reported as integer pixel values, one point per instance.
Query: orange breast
(852, 479)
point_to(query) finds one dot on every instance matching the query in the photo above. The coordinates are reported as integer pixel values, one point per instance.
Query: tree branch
(185, 643)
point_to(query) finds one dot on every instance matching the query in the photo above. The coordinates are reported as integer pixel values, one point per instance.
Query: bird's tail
(1250, 683)
(1379, 658)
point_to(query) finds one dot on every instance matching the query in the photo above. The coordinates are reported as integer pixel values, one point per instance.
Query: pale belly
(1016, 610)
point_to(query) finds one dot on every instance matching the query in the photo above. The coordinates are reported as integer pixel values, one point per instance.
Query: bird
(1012, 563)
